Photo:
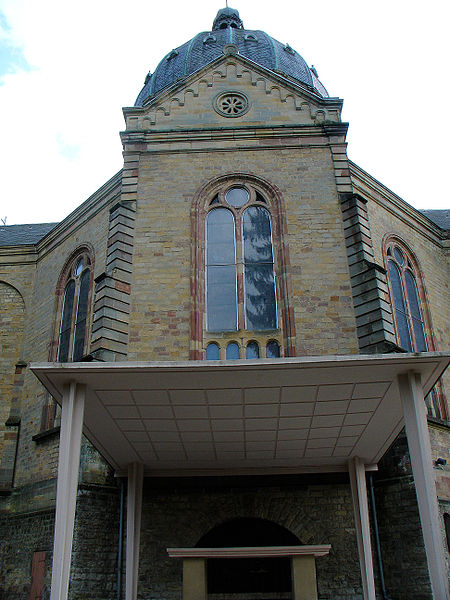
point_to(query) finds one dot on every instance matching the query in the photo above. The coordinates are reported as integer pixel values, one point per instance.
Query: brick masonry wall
(159, 319)
(12, 322)
(39, 461)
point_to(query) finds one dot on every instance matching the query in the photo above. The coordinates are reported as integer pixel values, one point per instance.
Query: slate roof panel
(18, 235)
(440, 217)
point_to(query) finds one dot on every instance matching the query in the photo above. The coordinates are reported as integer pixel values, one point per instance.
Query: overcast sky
(68, 68)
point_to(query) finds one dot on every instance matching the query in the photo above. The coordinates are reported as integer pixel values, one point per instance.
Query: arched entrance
(257, 575)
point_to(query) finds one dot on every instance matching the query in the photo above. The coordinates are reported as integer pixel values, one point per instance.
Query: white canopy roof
(288, 415)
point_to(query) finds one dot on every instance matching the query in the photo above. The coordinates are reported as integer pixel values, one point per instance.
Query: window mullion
(74, 317)
(240, 272)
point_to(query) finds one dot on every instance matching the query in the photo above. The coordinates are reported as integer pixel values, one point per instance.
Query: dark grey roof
(440, 217)
(17, 235)
(208, 45)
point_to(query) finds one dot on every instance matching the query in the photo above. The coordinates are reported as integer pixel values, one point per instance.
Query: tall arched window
(412, 322)
(240, 281)
(72, 338)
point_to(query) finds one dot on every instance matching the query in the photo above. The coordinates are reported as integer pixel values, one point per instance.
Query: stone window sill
(46, 434)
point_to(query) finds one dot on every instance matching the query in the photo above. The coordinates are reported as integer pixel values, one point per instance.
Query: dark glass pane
(413, 298)
(273, 350)
(66, 322)
(220, 237)
(237, 196)
(399, 256)
(79, 267)
(432, 404)
(257, 235)
(399, 305)
(212, 352)
(221, 298)
(80, 323)
(260, 303)
(233, 351)
(252, 350)
(221, 301)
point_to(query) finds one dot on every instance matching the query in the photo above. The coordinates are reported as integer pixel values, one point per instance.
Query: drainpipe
(377, 537)
(120, 544)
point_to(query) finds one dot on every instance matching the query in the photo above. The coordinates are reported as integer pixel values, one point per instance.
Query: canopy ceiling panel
(260, 416)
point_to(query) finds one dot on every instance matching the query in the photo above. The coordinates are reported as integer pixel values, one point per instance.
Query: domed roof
(208, 45)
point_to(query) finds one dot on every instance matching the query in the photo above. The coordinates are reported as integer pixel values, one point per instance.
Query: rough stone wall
(159, 320)
(95, 544)
(21, 536)
(440, 448)
(316, 514)
(403, 553)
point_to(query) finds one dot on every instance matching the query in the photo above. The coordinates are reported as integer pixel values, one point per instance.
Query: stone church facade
(238, 231)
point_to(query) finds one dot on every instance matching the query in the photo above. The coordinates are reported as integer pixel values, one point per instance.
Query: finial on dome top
(227, 17)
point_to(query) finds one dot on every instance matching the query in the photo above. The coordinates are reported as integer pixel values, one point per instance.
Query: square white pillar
(67, 483)
(357, 473)
(194, 579)
(415, 415)
(134, 513)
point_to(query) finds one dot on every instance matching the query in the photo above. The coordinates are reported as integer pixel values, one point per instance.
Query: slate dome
(205, 47)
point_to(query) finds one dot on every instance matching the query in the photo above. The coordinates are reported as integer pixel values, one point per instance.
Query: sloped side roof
(18, 235)
(440, 217)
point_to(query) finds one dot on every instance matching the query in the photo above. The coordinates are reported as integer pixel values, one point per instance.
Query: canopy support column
(361, 509)
(66, 494)
(134, 513)
(416, 426)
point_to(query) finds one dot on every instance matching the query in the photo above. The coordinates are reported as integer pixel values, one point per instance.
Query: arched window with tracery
(240, 281)
(75, 285)
(411, 317)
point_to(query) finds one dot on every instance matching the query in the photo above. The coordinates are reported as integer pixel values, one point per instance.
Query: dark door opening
(249, 575)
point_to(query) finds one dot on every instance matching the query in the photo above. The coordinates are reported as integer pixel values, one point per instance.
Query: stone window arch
(410, 308)
(74, 296)
(240, 281)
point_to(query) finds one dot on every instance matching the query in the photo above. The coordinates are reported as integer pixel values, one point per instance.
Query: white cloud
(60, 120)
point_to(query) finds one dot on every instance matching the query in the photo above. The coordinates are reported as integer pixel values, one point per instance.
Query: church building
(222, 377)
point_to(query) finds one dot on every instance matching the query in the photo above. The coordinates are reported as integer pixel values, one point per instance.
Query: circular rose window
(231, 104)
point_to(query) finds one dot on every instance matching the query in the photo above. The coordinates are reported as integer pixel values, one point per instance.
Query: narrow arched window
(408, 315)
(233, 351)
(260, 303)
(221, 299)
(409, 310)
(273, 349)
(212, 352)
(252, 350)
(72, 339)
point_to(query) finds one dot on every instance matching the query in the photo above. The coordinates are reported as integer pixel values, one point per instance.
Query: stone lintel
(250, 551)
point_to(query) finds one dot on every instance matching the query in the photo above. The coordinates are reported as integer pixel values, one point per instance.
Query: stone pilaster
(374, 322)
(113, 287)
